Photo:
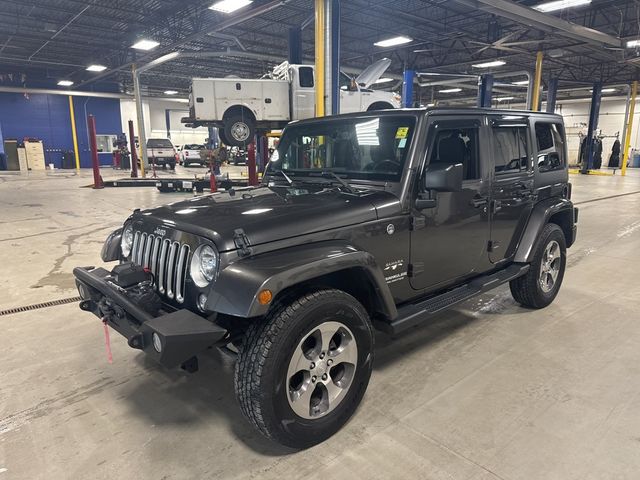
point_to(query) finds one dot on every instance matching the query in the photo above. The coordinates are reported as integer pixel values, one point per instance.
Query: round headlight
(126, 242)
(204, 265)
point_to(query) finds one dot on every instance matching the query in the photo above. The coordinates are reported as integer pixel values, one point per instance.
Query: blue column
(335, 56)
(594, 113)
(485, 90)
(295, 45)
(407, 88)
(552, 94)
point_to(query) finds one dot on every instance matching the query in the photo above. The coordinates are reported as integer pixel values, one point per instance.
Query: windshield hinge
(242, 242)
(414, 269)
(418, 222)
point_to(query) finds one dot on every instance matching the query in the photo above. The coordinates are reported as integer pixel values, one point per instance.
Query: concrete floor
(487, 391)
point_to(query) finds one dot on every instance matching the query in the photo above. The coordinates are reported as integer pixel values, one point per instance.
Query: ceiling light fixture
(96, 68)
(493, 63)
(65, 83)
(228, 6)
(560, 5)
(392, 42)
(384, 80)
(505, 99)
(633, 43)
(520, 82)
(145, 44)
(605, 90)
(170, 92)
(450, 90)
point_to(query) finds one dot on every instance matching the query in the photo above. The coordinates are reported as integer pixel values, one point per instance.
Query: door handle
(478, 202)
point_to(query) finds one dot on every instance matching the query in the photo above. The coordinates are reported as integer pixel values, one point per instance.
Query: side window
(510, 150)
(549, 137)
(306, 77)
(457, 145)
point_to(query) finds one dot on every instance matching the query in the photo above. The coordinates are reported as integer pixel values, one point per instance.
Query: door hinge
(415, 269)
(418, 222)
(241, 242)
(492, 246)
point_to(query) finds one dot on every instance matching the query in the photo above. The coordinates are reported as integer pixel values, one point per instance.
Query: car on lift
(190, 153)
(162, 153)
(240, 107)
(376, 220)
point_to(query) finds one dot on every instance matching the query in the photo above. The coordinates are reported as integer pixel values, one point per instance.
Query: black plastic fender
(539, 217)
(111, 248)
(236, 289)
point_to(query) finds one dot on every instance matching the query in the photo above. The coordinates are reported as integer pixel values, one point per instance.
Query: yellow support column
(320, 66)
(74, 133)
(536, 83)
(627, 140)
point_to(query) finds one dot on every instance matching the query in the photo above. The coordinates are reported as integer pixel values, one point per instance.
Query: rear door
(512, 185)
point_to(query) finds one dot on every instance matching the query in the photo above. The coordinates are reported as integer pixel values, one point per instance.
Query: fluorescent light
(494, 63)
(606, 90)
(560, 5)
(228, 6)
(145, 44)
(450, 90)
(392, 42)
(170, 92)
(505, 99)
(633, 43)
(65, 83)
(96, 68)
(383, 80)
(431, 104)
(520, 82)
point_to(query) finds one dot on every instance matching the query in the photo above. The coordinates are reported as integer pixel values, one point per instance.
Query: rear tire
(239, 130)
(303, 370)
(539, 287)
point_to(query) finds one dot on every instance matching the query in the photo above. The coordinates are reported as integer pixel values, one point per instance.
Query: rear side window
(549, 137)
(510, 150)
(159, 143)
(306, 77)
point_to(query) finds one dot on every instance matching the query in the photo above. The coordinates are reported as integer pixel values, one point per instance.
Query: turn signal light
(265, 297)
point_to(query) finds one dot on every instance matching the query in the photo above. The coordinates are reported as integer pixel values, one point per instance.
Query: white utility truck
(239, 107)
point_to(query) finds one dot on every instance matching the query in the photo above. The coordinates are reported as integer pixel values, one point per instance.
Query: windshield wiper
(286, 177)
(329, 173)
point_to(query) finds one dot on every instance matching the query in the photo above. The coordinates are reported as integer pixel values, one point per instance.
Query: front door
(449, 241)
(512, 186)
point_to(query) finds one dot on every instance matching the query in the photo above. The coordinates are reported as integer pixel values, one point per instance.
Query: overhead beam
(543, 21)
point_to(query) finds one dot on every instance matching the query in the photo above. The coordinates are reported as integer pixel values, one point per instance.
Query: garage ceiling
(54, 39)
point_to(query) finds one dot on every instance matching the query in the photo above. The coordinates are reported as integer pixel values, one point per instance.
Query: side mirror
(444, 177)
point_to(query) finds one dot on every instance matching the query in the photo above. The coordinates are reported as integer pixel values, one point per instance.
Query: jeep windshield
(373, 148)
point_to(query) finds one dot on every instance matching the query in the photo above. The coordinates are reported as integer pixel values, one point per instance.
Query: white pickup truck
(239, 107)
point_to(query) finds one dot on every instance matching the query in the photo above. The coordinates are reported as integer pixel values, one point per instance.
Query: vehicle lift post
(97, 179)
(627, 136)
(134, 152)
(552, 95)
(594, 113)
(485, 90)
(251, 163)
(407, 88)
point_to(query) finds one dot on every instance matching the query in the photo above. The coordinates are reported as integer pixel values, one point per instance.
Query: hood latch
(242, 242)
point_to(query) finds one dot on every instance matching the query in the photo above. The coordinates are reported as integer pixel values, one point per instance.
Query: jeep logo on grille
(161, 232)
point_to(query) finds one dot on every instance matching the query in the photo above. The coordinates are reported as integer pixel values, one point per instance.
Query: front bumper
(181, 333)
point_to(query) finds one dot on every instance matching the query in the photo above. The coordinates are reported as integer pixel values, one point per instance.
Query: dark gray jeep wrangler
(372, 220)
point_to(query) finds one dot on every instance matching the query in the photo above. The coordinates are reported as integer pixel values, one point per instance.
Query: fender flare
(539, 217)
(236, 289)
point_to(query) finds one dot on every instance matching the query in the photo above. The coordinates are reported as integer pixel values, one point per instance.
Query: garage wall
(46, 117)
(611, 120)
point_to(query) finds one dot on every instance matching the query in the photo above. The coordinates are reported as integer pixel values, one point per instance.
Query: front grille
(167, 260)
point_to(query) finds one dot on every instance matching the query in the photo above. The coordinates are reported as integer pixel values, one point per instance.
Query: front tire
(303, 370)
(539, 287)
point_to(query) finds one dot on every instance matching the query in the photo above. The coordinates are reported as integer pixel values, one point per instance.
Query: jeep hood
(266, 214)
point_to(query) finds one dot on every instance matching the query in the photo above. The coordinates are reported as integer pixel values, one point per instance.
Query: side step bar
(416, 313)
